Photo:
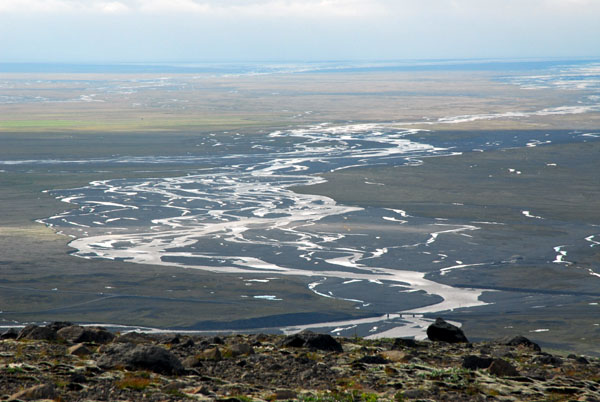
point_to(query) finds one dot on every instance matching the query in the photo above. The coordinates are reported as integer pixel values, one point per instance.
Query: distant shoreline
(274, 67)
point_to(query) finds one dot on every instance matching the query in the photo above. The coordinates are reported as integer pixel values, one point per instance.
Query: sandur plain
(70, 116)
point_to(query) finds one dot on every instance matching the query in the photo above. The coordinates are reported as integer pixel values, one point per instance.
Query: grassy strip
(146, 124)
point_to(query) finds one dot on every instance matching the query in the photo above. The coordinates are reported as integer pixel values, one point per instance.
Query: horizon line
(300, 60)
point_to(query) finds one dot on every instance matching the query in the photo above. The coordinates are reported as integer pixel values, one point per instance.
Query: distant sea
(274, 67)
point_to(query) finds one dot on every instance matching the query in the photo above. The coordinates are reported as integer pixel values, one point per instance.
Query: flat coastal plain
(523, 196)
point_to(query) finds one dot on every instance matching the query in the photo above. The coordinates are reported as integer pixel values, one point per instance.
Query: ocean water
(240, 214)
(552, 68)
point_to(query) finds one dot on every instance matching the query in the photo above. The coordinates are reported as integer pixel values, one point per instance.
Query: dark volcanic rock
(217, 341)
(441, 331)
(78, 334)
(11, 333)
(400, 343)
(78, 378)
(293, 341)
(34, 332)
(58, 325)
(502, 368)
(475, 362)
(373, 360)
(323, 342)
(548, 359)
(520, 341)
(309, 339)
(145, 357)
(580, 359)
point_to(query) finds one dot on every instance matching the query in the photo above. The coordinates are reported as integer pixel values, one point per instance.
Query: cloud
(172, 6)
(35, 6)
(304, 8)
(307, 8)
(296, 29)
(249, 8)
(61, 7)
(113, 7)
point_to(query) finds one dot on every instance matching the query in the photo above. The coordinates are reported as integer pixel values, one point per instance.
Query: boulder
(579, 359)
(74, 386)
(520, 341)
(240, 349)
(139, 357)
(402, 343)
(548, 359)
(79, 334)
(57, 325)
(476, 362)
(293, 341)
(213, 354)
(308, 339)
(217, 341)
(34, 332)
(78, 378)
(323, 342)
(171, 340)
(502, 368)
(11, 333)
(441, 331)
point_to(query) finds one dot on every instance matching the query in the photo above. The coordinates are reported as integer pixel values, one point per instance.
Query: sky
(103, 31)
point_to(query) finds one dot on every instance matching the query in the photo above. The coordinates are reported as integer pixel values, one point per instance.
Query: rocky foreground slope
(65, 362)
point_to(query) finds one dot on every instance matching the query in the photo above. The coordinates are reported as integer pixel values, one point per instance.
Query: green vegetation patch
(49, 124)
